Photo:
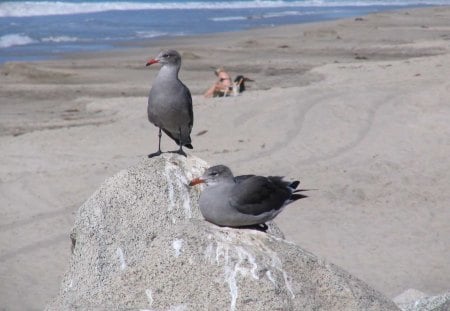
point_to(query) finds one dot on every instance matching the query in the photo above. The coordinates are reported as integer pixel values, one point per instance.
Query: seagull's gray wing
(256, 194)
(188, 97)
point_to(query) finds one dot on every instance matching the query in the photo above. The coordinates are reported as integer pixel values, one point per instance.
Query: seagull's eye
(214, 173)
(166, 55)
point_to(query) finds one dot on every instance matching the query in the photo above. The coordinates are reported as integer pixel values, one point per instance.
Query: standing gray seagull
(243, 201)
(170, 102)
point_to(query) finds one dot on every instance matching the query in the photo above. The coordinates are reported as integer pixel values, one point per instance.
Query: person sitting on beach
(222, 87)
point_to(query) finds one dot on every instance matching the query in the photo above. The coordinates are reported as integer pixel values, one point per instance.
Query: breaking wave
(42, 8)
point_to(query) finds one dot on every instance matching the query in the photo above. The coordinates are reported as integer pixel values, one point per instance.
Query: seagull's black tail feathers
(295, 196)
(293, 185)
(295, 193)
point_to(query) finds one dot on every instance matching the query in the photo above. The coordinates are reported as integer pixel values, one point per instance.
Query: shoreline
(106, 46)
(355, 107)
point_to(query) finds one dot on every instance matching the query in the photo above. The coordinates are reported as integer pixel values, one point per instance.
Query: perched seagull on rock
(243, 201)
(170, 102)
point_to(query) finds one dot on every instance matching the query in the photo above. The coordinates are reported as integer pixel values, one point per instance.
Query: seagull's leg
(180, 151)
(157, 153)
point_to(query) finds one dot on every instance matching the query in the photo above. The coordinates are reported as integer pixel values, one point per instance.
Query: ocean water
(36, 30)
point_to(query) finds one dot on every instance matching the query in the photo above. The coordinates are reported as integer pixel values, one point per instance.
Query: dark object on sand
(239, 82)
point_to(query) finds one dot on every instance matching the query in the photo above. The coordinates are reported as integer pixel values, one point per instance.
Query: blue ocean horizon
(42, 30)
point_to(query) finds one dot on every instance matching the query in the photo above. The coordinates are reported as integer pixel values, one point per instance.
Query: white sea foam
(228, 18)
(41, 8)
(150, 34)
(155, 34)
(261, 16)
(9, 40)
(60, 39)
(285, 13)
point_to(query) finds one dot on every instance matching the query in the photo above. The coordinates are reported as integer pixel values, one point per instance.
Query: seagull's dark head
(166, 57)
(214, 175)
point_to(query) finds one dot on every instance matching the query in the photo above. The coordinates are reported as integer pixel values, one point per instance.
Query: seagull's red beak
(151, 61)
(196, 181)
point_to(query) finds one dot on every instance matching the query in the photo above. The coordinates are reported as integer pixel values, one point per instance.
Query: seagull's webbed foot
(262, 227)
(155, 154)
(180, 142)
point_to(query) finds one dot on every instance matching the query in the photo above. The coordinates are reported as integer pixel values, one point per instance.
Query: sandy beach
(357, 109)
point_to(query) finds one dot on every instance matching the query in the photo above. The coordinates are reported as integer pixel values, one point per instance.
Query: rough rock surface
(414, 300)
(140, 242)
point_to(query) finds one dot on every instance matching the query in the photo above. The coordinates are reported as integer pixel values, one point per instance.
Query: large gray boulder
(414, 300)
(140, 242)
